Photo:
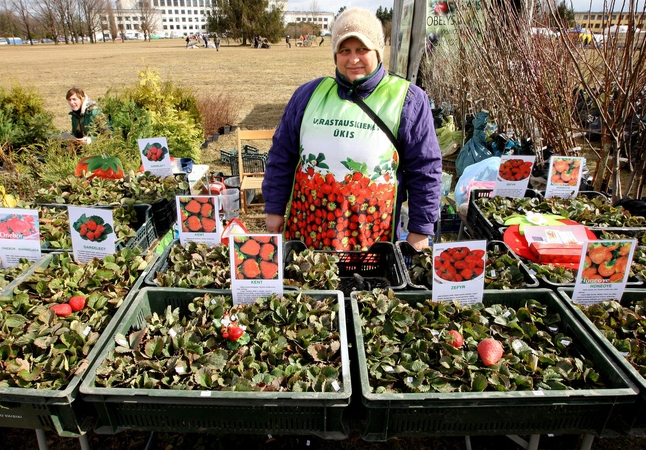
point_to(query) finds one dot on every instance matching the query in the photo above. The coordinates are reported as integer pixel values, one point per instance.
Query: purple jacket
(420, 168)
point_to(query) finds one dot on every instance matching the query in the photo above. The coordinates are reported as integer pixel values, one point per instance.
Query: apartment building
(597, 21)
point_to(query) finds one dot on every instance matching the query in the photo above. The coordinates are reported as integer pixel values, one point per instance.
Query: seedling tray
(226, 412)
(379, 266)
(61, 411)
(143, 226)
(481, 226)
(161, 266)
(495, 413)
(407, 252)
(164, 212)
(631, 418)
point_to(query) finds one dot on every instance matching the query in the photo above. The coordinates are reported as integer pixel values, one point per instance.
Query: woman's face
(75, 102)
(354, 60)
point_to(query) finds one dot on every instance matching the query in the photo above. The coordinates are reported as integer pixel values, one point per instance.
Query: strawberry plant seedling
(407, 350)
(279, 343)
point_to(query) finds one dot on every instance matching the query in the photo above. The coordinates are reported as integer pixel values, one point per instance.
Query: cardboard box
(556, 252)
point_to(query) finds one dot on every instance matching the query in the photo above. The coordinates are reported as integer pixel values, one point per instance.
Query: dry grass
(262, 80)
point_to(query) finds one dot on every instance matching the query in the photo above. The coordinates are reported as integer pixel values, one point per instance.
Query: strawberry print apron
(345, 184)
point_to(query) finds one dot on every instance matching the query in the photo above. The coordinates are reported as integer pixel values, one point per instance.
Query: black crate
(251, 163)
(481, 226)
(450, 223)
(378, 267)
(407, 252)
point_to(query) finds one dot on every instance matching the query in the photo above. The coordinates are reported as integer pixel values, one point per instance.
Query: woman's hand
(275, 223)
(418, 241)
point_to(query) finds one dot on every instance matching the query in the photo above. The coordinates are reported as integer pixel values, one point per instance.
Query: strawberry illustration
(490, 351)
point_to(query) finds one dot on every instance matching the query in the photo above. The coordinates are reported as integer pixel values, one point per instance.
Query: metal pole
(42, 440)
(85, 445)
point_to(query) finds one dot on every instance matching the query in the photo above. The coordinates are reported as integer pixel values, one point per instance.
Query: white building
(179, 18)
(322, 19)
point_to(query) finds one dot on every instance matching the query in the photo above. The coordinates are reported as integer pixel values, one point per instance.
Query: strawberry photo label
(513, 176)
(92, 231)
(155, 156)
(458, 271)
(564, 176)
(198, 219)
(603, 271)
(19, 235)
(256, 266)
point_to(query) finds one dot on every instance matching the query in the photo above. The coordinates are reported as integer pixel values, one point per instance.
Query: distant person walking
(217, 43)
(187, 41)
(287, 42)
(206, 40)
(322, 40)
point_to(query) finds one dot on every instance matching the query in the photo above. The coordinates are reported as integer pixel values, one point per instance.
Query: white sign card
(155, 156)
(92, 231)
(563, 234)
(458, 271)
(19, 235)
(604, 270)
(513, 176)
(564, 176)
(199, 219)
(256, 266)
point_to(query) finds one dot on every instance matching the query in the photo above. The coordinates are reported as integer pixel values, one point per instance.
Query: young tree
(112, 23)
(149, 18)
(244, 19)
(22, 10)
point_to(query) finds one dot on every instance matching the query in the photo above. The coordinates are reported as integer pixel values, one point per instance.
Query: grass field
(261, 79)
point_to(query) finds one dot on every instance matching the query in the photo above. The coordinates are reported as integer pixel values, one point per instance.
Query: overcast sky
(372, 5)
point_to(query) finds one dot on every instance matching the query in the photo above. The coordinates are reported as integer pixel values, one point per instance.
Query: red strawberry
(267, 252)
(208, 224)
(269, 270)
(490, 351)
(250, 269)
(251, 248)
(193, 207)
(235, 332)
(455, 338)
(77, 302)
(62, 309)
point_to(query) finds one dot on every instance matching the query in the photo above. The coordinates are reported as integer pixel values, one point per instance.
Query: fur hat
(361, 24)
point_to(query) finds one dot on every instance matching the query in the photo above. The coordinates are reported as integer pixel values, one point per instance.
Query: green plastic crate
(631, 418)
(61, 411)
(120, 409)
(496, 413)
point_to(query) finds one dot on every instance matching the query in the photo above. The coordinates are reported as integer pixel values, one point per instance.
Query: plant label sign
(513, 176)
(564, 176)
(199, 220)
(603, 271)
(155, 156)
(19, 236)
(256, 266)
(92, 231)
(458, 271)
